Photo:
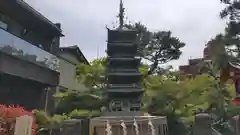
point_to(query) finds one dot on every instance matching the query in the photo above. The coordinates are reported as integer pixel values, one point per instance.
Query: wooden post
(46, 100)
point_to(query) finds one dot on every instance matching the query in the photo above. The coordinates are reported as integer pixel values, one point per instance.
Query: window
(2, 24)
(77, 73)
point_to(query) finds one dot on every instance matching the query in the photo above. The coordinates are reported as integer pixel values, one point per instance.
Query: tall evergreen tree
(157, 47)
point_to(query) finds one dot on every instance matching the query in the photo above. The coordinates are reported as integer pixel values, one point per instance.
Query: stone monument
(124, 89)
(23, 125)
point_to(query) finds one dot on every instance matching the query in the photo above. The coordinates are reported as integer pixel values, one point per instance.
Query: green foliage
(84, 113)
(144, 69)
(44, 120)
(59, 118)
(167, 94)
(223, 48)
(79, 100)
(91, 100)
(93, 75)
(180, 100)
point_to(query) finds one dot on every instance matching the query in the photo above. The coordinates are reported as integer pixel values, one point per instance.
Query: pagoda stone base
(98, 125)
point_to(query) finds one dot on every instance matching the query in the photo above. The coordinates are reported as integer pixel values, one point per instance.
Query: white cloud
(83, 21)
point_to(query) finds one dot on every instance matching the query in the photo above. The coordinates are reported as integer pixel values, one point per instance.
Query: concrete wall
(27, 70)
(67, 76)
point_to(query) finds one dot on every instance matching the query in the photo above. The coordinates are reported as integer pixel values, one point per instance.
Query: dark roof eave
(123, 58)
(39, 15)
(125, 90)
(234, 65)
(122, 30)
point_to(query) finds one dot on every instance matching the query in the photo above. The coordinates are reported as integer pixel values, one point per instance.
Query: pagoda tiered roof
(122, 70)
(114, 86)
(122, 36)
(124, 74)
(235, 64)
(124, 59)
(125, 90)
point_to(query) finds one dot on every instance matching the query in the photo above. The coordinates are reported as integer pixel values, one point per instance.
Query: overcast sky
(83, 21)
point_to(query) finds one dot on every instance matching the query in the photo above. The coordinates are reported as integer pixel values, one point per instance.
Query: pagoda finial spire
(121, 14)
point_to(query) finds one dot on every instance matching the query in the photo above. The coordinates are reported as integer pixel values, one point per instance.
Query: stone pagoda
(123, 116)
(123, 77)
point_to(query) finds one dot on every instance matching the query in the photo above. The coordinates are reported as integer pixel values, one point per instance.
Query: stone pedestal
(202, 125)
(98, 125)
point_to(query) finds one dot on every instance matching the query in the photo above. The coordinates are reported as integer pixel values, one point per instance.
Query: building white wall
(70, 57)
(68, 73)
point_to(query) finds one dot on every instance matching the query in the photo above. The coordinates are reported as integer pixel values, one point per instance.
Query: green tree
(220, 52)
(86, 101)
(92, 99)
(157, 47)
(93, 75)
(222, 49)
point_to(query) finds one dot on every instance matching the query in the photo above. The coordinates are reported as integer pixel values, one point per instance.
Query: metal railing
(20, 48)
